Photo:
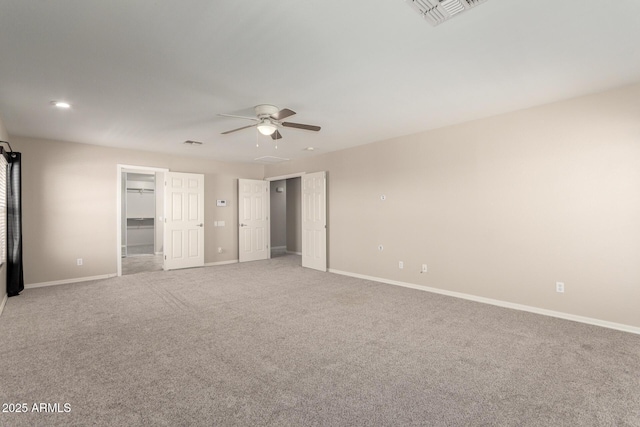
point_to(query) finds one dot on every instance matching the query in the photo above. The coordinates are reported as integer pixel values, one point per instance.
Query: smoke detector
(438, 11)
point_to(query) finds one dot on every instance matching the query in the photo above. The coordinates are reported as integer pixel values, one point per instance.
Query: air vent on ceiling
(438, 11)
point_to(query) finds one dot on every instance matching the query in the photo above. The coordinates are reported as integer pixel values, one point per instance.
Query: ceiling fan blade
(276, 135)
(235, 130)
(301, 126)
(283, 114)
(238, 117)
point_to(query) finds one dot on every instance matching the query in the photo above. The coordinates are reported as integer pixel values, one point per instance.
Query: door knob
(200, 225)
(243, 225)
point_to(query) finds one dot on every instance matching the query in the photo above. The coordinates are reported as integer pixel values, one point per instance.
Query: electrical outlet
(560, 287)
(424, 268)
(219, 250)
(400, 265)
(79, 261)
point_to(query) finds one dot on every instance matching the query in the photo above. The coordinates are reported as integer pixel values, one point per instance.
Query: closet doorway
(140, 228)
(286, 217)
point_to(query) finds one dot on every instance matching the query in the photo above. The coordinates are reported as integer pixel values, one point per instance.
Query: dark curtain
(15, 276)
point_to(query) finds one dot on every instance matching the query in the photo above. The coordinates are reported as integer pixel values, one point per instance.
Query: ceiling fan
(268, 119)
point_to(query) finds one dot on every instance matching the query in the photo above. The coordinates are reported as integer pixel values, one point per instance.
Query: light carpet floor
(269, 343)
(141, 263)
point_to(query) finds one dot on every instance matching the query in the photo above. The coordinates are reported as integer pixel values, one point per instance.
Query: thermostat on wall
(221, 203)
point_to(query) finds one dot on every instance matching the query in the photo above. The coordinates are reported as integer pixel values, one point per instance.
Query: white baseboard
(66, 281)
(499, 303)
(294, 253)
(212, 264)
(3, 303)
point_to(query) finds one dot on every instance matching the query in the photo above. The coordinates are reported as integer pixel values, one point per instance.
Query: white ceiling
(150, 74)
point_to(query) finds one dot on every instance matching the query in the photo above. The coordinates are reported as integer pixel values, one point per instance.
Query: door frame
(281, 177)
(134, 169)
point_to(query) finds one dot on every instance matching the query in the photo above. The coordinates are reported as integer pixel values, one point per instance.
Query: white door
(184, 220)
(253, 220)
(314, 221)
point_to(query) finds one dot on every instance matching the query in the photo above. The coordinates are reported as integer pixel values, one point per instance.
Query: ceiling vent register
(438, 11)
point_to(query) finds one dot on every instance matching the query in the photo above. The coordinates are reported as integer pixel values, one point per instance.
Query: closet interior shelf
(140, 190)
(140, 223)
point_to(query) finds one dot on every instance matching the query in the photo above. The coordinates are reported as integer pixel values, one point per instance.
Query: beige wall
(4, 136)
(501, 208)
(69, 205)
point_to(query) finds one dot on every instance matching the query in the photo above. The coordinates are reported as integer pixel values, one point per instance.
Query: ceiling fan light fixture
(267, 128)
(268, 119)
(61, 104)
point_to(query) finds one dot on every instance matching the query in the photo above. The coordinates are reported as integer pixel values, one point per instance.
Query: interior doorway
(140, 219)
(305, 223)
(141, 247)
(286, 216)
(139, 206)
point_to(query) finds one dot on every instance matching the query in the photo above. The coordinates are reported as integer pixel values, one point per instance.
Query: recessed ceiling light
(61, 104)
(309, 149)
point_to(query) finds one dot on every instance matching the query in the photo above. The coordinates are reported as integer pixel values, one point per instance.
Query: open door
(314, 221)
(253, 220)
(184, 220)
